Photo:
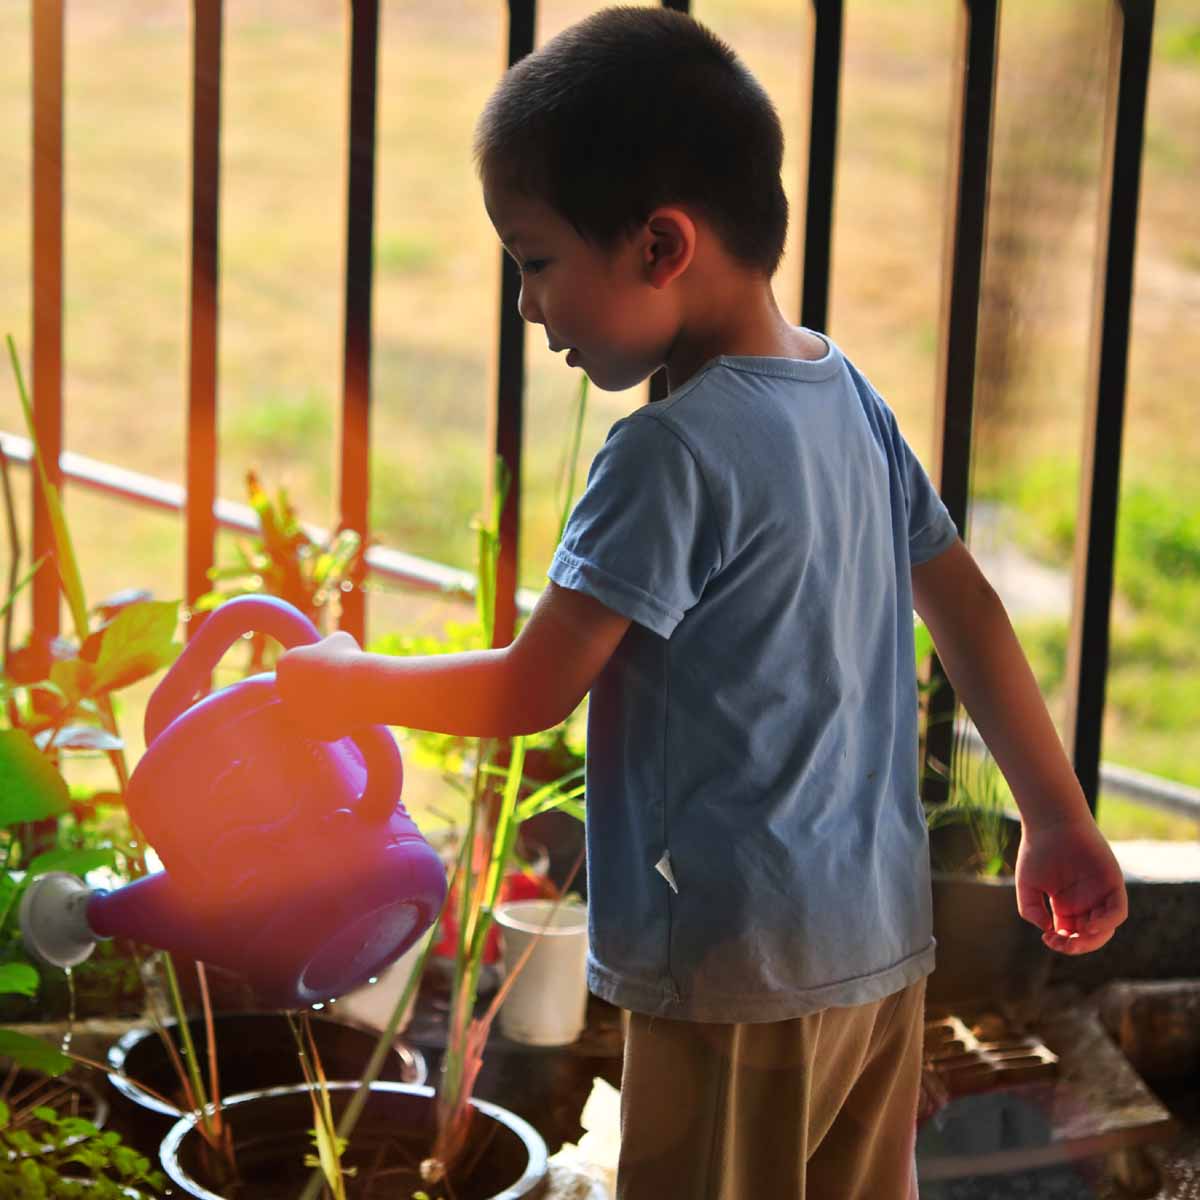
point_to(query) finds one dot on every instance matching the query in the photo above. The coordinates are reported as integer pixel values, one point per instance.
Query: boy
(735, 590)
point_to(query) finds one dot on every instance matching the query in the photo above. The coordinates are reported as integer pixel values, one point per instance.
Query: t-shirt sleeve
(643, 538)
(930, 526)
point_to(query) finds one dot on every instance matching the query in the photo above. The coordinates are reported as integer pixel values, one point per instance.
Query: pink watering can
(288, 860)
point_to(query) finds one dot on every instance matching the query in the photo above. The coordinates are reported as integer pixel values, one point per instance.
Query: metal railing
(1131, 29)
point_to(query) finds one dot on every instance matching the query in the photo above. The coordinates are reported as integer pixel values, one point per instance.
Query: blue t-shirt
(756, 845)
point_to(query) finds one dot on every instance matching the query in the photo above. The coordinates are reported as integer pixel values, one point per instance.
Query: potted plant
(986, 952)
(448, 1153)
(447, 1123)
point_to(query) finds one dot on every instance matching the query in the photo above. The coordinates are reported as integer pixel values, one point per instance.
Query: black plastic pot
(506, 1158)
(987, 953)
(87, 1101)
(254, 1050)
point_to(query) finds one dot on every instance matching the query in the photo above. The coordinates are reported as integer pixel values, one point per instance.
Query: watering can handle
(191, 677)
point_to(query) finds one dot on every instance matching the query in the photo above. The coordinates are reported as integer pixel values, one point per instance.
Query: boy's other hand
(1072, 864)
(313, 682)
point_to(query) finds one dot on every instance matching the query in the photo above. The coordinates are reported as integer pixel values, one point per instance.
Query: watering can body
(289, 860)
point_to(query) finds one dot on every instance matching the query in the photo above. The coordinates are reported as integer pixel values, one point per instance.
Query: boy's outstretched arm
(1063, 855)
(333, 687)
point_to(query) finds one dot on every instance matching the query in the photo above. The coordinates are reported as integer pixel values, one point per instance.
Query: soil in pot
(254, 1051)
(505, 1159)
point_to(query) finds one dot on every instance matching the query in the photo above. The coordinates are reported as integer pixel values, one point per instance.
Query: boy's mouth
(572, 357)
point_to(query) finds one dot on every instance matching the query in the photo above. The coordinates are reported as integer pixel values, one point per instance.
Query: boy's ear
(670, 245)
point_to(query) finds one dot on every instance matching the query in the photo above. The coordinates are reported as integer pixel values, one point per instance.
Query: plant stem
(193, 1064)
(383, 1046)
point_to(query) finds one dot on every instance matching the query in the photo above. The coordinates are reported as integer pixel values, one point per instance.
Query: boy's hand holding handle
(1063, 858)
(312, 681)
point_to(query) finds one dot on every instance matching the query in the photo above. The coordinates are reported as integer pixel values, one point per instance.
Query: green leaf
(923, 642)
(21, 584)
(138, 642)
(32, 1053)
(31, 789)
(78, 862)
(68, 564)
(18, 979)
(74, 678)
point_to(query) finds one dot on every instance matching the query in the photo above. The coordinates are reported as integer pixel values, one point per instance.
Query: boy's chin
(616, 379)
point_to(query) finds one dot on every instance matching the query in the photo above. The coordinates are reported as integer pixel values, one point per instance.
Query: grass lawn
(282, 225)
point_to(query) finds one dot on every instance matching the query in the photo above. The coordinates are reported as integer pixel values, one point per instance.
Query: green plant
(58, 699)
(286, 561)
(979, 799)
(500, 799)
(48, 1155)
(977, 795)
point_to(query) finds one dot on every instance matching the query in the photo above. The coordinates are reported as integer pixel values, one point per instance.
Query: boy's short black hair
(633, 108)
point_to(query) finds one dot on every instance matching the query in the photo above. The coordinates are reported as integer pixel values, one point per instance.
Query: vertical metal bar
(658, 381)
(48, 65)
(1132, 27)
(508, 417)
(360, 226)
(959, 325)
(822, 162)
(200, 523)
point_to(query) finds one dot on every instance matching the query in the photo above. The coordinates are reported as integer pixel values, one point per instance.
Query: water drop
(318, 1006)
(68, 1033)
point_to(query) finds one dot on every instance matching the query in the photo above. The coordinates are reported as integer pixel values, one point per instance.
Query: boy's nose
(527, 308)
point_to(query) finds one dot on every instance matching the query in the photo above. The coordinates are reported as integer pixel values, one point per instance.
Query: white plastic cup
(373, 1003)
(547, 1005)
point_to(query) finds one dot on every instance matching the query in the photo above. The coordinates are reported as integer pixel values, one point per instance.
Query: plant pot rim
(535, 1171)
(127, 1042)
(98, 1117)
(1007, 881)
(530, 916)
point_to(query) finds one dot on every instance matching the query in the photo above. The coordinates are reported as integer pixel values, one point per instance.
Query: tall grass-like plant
(977, 795)
(495, 812)
(72, 709)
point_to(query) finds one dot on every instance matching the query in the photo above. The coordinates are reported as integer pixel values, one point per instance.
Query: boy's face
(595, 303)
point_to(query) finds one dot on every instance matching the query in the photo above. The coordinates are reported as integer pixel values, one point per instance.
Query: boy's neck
(735, 315)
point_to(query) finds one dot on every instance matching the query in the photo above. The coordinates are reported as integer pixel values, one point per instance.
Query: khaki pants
(822, 1107)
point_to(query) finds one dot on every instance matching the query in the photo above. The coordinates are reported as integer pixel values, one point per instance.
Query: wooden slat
(825, 86)
(1131, 33)
(47, 290)
(959, 324)
(508, 415)
(360, 225)
(200, 523)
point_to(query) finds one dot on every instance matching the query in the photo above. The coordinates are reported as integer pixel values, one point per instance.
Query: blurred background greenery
(127, 114)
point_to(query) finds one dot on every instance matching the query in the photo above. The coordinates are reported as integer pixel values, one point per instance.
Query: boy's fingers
(1031, 904)
(1076, 943)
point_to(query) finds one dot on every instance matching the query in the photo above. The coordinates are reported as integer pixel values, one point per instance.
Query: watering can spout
(153, 911)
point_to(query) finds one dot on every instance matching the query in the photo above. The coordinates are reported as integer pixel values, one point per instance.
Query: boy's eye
(532, 266)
